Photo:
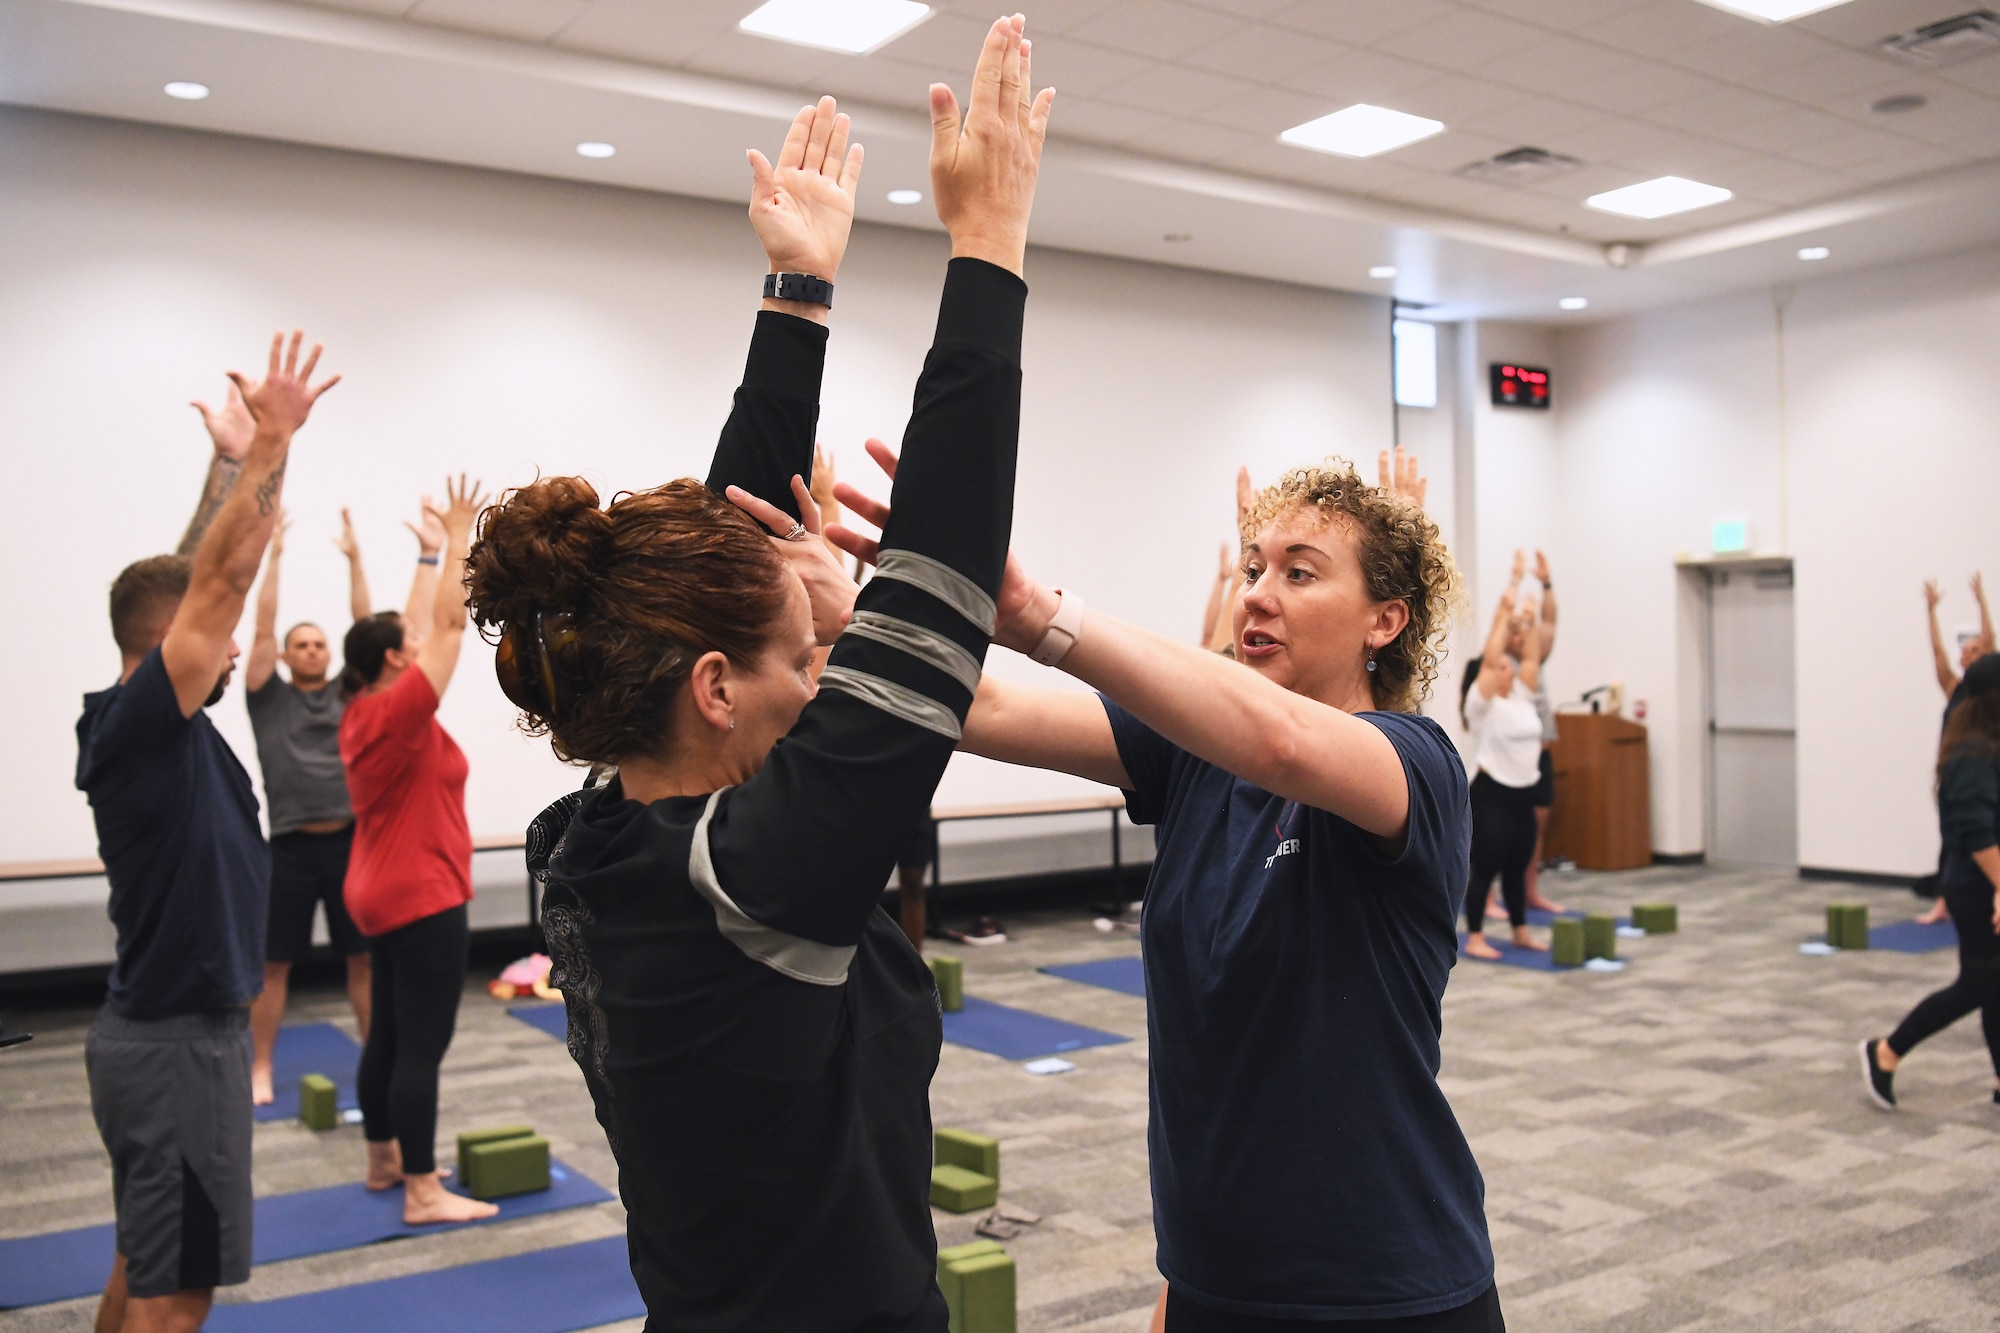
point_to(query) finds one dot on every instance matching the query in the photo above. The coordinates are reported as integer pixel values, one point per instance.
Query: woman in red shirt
(410, 874)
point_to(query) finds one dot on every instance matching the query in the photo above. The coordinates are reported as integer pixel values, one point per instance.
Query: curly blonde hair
(1402, 558)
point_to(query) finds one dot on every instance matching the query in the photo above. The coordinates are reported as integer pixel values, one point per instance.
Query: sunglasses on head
(525, 662)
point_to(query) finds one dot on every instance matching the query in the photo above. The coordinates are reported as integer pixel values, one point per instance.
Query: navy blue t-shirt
(1305, 1163)
(177, 830)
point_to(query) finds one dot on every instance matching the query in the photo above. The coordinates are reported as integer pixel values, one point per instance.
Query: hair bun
(540, 549)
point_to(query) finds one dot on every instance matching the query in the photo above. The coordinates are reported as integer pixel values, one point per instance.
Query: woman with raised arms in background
(756, 1033)
(1300, 921)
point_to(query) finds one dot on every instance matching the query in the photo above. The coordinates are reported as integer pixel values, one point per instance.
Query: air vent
(1948, 41)
(1520, 166)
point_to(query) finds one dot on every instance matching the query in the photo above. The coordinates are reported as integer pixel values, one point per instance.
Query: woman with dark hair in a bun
(757, 1035)
(409, 876)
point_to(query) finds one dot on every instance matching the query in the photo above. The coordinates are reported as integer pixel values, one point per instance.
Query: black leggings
(1479, 1315)
(419, 974)
(1968, 894)
(1503, 842)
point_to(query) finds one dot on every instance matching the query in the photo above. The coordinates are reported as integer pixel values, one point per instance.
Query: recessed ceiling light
(855, 27)
(1574, 303)
(186, 90)
(906, 196)
(1812, 252)
(1659, 198)
(1382, 271)
(1361, 131)
(1774, 11)
(595, 149)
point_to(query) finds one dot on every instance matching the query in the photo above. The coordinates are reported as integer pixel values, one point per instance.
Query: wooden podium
(1602, 818)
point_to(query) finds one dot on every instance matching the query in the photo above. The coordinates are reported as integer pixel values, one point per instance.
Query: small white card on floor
(1051, 1065)
(1604, 965)
(1817, 949)
(351, 1116)
(1631, 933)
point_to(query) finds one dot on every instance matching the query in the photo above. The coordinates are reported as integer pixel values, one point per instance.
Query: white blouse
(1507, 735)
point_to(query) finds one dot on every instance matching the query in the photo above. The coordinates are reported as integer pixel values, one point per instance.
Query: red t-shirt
(412, 854)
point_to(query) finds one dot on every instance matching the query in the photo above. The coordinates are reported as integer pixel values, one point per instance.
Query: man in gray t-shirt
(297, 725)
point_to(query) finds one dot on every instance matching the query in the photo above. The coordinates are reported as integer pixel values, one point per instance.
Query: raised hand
(1520, 566)
(1246, 496)
(828, 588)
(1931, 594)
(984, 166)
(1404, 477)
(428, 529)
(284, 398)
(349, 545)
(463, 501)
(230, 426)
(803, 208)
(277, 547)
(822, 484)
(1226, 567)
(1541, 569)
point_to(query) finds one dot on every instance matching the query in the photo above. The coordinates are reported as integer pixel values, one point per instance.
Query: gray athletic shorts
(172, 1103)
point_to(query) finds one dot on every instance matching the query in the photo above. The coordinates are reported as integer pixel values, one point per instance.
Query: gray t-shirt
(298, 743)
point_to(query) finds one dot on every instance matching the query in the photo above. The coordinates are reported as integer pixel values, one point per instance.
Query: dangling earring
(732, 721)
(1371, 659)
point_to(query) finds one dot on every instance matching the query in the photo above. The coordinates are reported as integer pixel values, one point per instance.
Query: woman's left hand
(803, 208)
(463, 501)
(828, 587)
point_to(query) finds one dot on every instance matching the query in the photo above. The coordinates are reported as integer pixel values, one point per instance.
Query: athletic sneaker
(1881, 1083)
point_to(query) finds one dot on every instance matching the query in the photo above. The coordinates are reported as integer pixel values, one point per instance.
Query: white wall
(1888, 476)
(501, 324)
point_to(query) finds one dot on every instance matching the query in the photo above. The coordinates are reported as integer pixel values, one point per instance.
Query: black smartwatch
(798, 287)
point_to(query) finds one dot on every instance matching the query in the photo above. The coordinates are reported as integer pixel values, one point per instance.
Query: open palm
(803, 208)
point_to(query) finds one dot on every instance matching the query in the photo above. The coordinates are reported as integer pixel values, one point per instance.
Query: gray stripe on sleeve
(925, 645)
(941, 581)
(800, 959)
(896, 700)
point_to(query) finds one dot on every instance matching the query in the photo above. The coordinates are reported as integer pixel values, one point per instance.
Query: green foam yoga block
(956, 1253)
(1566, 941)
(950, 974)
(962, 1147)
(508, 1166)
(1847, 925)
(957, 1190)
(1656, 918)
(1600, 936)
(468, 1139)
(979, 1291)
(318, 1102)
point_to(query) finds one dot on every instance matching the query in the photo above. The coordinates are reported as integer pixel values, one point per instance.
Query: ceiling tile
(1175, 90)
(1050, 16)
(522, 20)
(1697, 159)
(1620, 143)
(1544, 122)
(1246, 9)
(1556, 64)
(645, 30)
(395, 8)
(1446, 153)
(1853, 149)
(1716, 107)
(1639, 87)
(738, 55)
(1558, 15)
(1748, 55)
(879, 80)
(1862, 26)
(1455, 99)
(1361, 22)
(1982, 76)
(1078, 68)
(1833, 76)
(1360, 76)
(1955, 118)
(1211, 145)
(1162, 29)
(1261, 52)
(1464, 41)
(953, 40)
(1663, 27)
(1103, 123)
(1783, 132)
(1267, 111)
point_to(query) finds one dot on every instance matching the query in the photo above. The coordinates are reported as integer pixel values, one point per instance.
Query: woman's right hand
(1931, 594)
(463, 501)
(803, 208)
(983, 170)
(1022, 611)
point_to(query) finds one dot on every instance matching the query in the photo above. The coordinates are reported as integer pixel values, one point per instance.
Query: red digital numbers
(1519, 386)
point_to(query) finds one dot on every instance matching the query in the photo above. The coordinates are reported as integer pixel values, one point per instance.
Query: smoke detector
(1519, 166)
(1946, 42)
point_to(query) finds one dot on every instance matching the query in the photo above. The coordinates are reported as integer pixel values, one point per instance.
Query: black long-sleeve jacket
(757, 1034)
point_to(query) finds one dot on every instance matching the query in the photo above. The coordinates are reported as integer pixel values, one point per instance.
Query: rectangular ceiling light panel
(1361, 131)
(1774, 11)
(855, 27)
(1659, 198)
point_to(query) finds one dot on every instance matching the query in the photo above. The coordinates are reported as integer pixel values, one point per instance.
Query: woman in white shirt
(1507, 750)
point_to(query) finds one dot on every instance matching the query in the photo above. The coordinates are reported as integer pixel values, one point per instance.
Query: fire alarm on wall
(1519, 386)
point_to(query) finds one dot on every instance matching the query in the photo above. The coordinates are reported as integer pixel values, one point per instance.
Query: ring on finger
(798, 533)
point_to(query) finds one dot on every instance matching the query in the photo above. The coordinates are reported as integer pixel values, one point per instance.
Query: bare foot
(426, 1201)
(1477, 947)
(260, 1085)
(1523, 940)
(385, 1166)
(1542, 904)
(1938, 912)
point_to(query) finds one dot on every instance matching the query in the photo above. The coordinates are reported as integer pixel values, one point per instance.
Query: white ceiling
(1166, 123)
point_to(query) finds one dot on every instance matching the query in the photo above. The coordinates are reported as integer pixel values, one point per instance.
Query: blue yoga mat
(1016, 1034)
(35, 1270)
(1120, 974)
(550, 1018)
(1909, 937)
(1535, 960)
(543, 1291)
(310, 1048)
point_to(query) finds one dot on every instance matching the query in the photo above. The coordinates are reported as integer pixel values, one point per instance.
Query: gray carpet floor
(1679, 1146)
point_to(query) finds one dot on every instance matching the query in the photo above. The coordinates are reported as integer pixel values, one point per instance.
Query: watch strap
(1064, 630)
(798, 287)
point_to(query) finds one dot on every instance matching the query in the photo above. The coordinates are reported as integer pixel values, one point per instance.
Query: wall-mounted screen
(1520, 386)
